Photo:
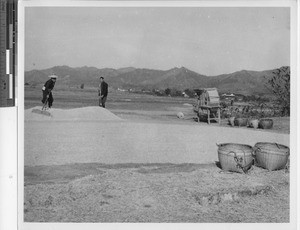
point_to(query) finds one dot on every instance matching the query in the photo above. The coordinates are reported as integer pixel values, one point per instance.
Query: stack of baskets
(271, 156)
(235, 157)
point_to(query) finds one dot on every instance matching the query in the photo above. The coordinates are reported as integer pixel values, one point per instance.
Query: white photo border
(294, 48)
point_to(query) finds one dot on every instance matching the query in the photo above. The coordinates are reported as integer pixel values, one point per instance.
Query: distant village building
(228, 98)
(185, 95)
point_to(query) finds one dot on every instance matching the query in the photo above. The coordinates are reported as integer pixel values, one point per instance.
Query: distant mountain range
(242, 82)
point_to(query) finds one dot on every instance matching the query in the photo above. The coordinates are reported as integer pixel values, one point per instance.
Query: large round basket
(271, 156)
(235, 157)
(265, 123)
(254, 123)
(240, 122)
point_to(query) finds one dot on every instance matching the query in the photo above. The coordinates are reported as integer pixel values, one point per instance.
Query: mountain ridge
(245, 82)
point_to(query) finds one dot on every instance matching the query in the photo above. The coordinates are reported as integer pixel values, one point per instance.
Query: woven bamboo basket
(235, 157)
(265, 123)
(240, 122)
(254, 123)
(271, 156)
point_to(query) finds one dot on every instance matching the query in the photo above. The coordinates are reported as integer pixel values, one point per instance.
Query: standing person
(102, 92)
(47, 90)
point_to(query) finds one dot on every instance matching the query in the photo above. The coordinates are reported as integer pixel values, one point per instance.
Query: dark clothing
(48, 86)
(102, 101)
(103, 89)
(50, 98)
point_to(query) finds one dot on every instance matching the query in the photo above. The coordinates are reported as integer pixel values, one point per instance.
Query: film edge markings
(8, 116)
(8, 52)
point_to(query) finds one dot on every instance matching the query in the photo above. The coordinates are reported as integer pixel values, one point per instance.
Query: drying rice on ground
(116, 141)
(91, 113)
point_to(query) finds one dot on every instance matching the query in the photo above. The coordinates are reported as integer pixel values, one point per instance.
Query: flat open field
(134, 107)
(137, 162)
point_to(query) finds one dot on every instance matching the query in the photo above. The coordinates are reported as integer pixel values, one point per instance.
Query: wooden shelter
(208, 104)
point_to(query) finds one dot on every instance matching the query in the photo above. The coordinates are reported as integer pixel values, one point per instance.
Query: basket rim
(230, 153)
(266, 119)
(237, 144)
(235, 149)
(241, 118)
(273, 144)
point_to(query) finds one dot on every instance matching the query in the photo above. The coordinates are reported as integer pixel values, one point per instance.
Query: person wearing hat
(102, 92)
(47, 88)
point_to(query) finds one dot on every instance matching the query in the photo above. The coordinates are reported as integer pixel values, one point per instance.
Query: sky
(207, 40)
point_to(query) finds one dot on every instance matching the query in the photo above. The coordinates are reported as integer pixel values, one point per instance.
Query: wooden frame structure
(208, 104)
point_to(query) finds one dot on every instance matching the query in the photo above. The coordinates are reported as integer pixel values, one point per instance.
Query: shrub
(167, 91)
(279, 84)
(189, 92)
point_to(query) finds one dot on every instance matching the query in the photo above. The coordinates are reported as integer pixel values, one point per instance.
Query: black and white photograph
(168, 112)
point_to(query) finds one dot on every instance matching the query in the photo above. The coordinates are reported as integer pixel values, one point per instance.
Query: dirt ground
(189, 193)
(148, 167)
